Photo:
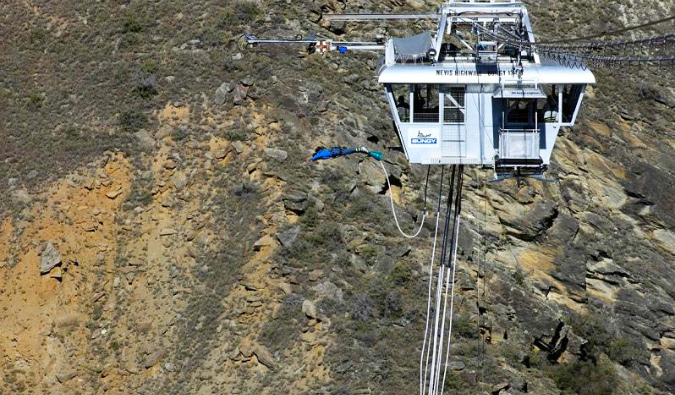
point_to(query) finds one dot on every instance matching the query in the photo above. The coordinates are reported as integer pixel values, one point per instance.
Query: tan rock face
(213, 260)
(42, 308)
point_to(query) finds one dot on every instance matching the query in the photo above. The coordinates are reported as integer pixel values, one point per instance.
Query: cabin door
(454, 125)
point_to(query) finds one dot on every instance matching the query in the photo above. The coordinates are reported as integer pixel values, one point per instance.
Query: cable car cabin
(483, 103)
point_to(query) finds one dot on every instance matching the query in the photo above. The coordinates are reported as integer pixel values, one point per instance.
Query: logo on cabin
(424, 139)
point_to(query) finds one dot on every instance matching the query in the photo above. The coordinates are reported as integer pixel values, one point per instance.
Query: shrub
(402, 273)
(146, 86)
(585, 378)
(35, 100)
(464, 327)
(623, 351)
(242, 13)
(593, 330)
(37, 35)
(236, 134)
(133, 121)
(130, 24)
(519, 277)
(281, 332)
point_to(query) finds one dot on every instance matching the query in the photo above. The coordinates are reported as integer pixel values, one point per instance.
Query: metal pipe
(375, 17)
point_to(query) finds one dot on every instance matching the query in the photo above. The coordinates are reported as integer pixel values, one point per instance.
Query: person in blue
(322, 153)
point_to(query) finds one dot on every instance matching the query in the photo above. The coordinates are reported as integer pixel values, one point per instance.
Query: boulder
(221, 93)
(50, 258)
(179, 180)
(276, 154)
(309, 309)
(264, 356)
(296, 201)
(288, 237)
(145, 141)
(66, 375)
(329, 290)
(240, 93)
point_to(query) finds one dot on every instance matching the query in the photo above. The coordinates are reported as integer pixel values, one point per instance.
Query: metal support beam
(376, 17)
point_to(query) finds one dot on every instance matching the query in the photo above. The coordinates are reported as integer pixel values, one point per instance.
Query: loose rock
(276, 154)
(49, 259)
(66, 375)
(238, 146)
(221, 93)
(288, 237)
(309, 309)
(167, 232)
(114, 194)
(154, 358)
(240, 93)
(145, 141)
(179, 180)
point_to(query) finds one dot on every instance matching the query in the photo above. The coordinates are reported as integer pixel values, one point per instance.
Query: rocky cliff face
(162, 233)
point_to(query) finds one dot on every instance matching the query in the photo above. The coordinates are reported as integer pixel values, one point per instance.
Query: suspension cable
(575, 55)
(611, 32)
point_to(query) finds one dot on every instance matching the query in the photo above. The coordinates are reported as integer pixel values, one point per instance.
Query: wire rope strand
(439, 285)
(431, 279)
(455, 242)
(448, 285)
(612, 32)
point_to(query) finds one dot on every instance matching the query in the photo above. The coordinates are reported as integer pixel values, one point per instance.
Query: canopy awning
(413, 47)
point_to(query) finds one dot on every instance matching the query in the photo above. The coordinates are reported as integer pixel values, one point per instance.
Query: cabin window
(425, 105)
(453, 107)
(402, 97)
(547, 110)
(519, 111)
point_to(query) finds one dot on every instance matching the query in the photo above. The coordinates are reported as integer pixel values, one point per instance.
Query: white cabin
(486, 103)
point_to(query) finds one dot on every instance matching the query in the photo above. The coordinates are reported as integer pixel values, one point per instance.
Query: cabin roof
(548, 72)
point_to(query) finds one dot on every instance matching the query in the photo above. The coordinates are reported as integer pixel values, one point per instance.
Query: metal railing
(425, 117)
(519, 142)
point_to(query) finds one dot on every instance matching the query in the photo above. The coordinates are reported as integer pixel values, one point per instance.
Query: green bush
(464, 327)
(130, 24)
(402, 273)
(242, 13)
(519, 277)
(35, 100)
(133, 121)
(585, 378)
(623, 351)
(593, 330)
(281, 332)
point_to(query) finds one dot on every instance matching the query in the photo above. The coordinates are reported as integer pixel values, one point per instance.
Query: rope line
(393, 208)
(436, 352)
(431, 277)
(455, 242)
